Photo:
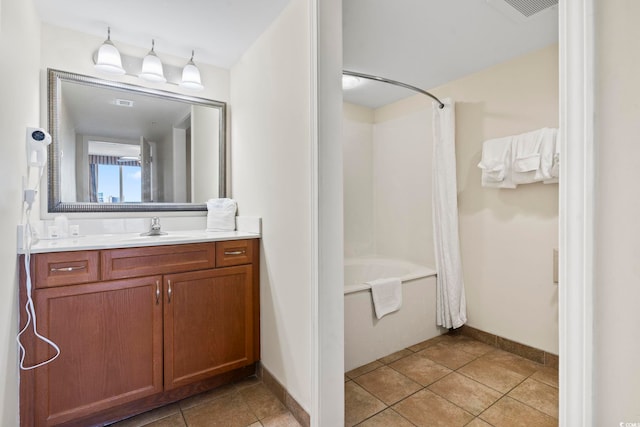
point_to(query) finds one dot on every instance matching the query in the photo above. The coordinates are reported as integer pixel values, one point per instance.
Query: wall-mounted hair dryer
(37, 141)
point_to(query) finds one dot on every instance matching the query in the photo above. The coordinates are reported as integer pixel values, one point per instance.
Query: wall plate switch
(21, 236)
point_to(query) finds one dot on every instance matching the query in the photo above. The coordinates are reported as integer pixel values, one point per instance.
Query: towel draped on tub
(386, 294)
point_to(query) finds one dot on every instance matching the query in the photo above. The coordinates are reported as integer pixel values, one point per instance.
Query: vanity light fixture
(152, 67)
(108, 59)
(191, 76)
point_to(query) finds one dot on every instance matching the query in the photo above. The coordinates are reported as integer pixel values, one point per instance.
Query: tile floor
(450, 381)
(247, 403)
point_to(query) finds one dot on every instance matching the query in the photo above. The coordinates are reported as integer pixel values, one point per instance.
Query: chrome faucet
(155, 228)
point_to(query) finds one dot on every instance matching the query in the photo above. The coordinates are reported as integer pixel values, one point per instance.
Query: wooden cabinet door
(209, 323)
(110, 337)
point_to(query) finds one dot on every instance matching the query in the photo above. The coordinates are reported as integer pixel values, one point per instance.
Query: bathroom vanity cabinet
(138, 328)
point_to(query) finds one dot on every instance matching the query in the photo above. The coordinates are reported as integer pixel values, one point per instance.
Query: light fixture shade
(191, 76)
(152, 67)
(108, 59)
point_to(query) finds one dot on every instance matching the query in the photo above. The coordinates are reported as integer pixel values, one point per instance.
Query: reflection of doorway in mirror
(204, 153)
(179, 169)
(146, 172)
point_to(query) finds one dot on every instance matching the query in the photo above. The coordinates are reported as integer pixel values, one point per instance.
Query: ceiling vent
(123, 102)
(523, 10)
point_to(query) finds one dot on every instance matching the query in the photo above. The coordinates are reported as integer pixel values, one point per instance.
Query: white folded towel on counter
(386, 294)
(496, 163)
(221, 214)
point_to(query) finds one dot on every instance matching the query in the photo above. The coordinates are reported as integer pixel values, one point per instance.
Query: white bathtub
(367, 338)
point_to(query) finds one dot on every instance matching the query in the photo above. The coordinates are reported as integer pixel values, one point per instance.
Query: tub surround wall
(359, 235)
(402, 183)
(387, 182)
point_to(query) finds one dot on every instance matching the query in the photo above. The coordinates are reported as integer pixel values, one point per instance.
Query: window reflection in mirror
(115, 173)
(123, 147)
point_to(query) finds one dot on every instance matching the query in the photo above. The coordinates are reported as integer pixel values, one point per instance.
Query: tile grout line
(525, 403)
(475, 358)
(422, 387)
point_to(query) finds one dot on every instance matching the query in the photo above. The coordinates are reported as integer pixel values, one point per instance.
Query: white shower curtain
(451, 310)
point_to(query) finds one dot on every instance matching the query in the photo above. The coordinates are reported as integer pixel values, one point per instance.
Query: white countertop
(130, 240)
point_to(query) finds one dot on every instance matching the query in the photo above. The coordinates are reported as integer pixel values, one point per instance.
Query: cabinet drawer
(65, 268)
(147, 261)
(234, 252)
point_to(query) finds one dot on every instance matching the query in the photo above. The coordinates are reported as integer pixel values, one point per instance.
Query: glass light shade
(152, 68)
(108, 59)
(191, 77)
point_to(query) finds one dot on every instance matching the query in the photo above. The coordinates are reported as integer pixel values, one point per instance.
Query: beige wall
(271, 170)
(507, 236)
(19, 85)
(617, 216)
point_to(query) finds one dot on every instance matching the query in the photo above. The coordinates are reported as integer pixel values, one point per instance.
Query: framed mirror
(118, 147)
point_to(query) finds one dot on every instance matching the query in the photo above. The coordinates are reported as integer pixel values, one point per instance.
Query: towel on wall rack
(548, 154)
(554, 171)
(520, 159)
(496, 163)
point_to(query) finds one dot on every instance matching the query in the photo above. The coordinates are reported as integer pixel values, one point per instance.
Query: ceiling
(120, 114)
(424, 43)
(220, 31)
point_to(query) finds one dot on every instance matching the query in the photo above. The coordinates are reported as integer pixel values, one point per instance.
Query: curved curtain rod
(393, 82)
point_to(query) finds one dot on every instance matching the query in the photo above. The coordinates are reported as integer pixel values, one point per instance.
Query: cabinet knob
(169, 291)
(157, 292)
